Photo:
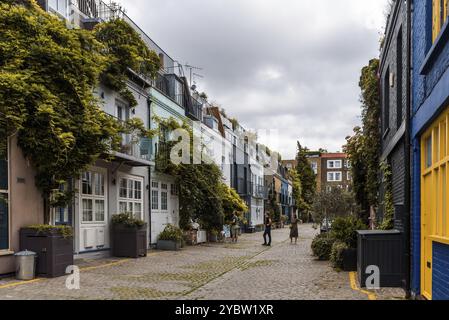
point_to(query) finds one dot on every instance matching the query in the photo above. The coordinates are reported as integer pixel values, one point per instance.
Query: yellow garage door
(434, 195)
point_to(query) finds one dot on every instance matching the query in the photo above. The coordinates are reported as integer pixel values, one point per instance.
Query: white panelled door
(93, 211)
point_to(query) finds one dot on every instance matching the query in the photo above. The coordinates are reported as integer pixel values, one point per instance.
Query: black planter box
(168, 245)
(54, 252)
(129, 242)
(384, 249)
(350, 260)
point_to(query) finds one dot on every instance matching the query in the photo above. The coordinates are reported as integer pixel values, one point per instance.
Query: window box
(129, 242)
(169, 245)
(54, 251)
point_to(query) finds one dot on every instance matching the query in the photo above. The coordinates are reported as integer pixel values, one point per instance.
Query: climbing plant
(202, 196)
(47, 78)
(125, 51)
(388, 218)
(364, 146)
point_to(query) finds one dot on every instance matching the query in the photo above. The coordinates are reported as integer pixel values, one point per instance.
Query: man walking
(268, 224)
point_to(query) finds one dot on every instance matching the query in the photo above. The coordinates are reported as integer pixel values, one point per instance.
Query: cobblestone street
(245, 270)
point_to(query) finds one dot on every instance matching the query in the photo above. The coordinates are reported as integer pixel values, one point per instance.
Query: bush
(171, 233)
(127, 220)
(65, 231)
(322, 246)
(344, 229)
(336, 257)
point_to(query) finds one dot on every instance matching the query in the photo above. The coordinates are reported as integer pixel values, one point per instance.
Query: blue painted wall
(430, 92)
(440, 286)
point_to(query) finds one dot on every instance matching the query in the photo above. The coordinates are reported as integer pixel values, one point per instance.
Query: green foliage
(297, 193)
(344, 229)
(363, 148)
(232, 204)
(171, 233)
(127, 220)
(47, 78)
(307, 178)
(125, 50)
(65, 231)
(336, 257)
(388, 218)
(322, 246)
(201, 196)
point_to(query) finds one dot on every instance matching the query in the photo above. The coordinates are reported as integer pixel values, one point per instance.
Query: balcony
(172, 87)
(195, 110)
(258, 191)
(135, 151)
(88, 11)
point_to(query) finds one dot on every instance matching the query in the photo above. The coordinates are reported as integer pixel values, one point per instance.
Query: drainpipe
(408, 148)
(149, 204)
(149, 177)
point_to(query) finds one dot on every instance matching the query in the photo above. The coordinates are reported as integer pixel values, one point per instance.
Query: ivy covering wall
(48, 74)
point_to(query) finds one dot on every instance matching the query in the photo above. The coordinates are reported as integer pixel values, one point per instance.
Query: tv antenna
(192, 73)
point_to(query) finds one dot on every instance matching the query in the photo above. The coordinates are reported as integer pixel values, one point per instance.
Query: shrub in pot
(170, 239)
(213, 236)
(322, 246)
(129, 236)
(344, 229)
(337, 254)
(53, 246)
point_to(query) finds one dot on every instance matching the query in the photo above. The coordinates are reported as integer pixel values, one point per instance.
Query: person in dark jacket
(294, 234)
(268, 224)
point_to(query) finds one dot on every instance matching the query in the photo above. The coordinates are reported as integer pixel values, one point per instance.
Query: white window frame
(8, 194)
(333, 177)
(165, 191)
(94, 198)
(132, 200)
(336, 164)
(348, 164)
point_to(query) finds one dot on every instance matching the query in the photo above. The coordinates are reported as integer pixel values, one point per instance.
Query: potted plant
(53, 246)
(213, 236)
(344, 230)
(129, 236)
(170, 239)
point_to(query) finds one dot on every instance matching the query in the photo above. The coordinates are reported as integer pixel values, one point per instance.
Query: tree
(297, 192)
(232, 203)
(364, 146)
(334, 203)
(307, 178)
(48, 74)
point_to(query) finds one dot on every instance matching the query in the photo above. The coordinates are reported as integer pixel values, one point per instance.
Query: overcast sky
(287, 65)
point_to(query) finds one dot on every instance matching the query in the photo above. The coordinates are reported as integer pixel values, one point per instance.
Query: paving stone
(246, 270)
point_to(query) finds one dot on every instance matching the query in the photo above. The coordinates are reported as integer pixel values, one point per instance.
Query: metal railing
(135, 146)
(96, 9)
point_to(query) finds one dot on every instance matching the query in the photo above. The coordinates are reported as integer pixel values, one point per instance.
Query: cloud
(289, 65)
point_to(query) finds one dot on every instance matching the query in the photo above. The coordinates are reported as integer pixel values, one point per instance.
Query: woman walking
(234, 228)
(294, 234)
